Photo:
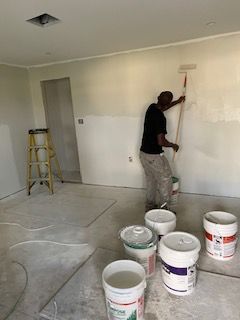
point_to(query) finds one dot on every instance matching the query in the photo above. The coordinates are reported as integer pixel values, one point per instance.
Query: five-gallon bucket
(179, 252)
(175, 190)
(161, 222)
(140, 245)
(124, 283)
(220, 234)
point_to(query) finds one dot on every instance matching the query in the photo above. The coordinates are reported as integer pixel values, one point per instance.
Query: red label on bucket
(229, 239)
(220, 247)
(208, 236)
(124, 311)
(151, 264)
(148, 263)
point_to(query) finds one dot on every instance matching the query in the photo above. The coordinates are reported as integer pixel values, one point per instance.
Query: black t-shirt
(154, 124)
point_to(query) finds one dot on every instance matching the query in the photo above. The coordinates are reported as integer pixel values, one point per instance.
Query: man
(157, 170)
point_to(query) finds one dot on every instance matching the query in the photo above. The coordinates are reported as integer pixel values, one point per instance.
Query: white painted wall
(16, 117)
(112, 94)
(105, 143)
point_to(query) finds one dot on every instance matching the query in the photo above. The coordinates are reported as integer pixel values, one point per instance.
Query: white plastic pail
(179, 252)
(220, 234)
(140, 244)
(124, 283)
(161, 222)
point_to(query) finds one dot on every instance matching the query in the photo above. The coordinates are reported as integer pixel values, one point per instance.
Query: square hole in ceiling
(44, 20)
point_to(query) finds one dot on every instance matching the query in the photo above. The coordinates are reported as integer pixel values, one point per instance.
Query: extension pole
(180, 113)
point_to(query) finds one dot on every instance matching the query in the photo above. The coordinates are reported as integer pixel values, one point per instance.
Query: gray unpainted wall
(16, 117)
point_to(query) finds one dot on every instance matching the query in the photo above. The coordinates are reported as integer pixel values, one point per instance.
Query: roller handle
(180, 114)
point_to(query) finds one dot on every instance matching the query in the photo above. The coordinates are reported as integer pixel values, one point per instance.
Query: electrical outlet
(80, 121)
(130, 159)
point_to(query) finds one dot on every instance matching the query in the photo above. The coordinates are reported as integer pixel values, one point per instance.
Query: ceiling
(95, 27)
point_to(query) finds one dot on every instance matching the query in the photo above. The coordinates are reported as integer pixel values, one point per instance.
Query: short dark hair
(166, 93)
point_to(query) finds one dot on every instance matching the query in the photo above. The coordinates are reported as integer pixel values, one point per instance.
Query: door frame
(44, 99)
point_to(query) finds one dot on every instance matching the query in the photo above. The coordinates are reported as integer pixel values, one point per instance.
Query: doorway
(57, 99)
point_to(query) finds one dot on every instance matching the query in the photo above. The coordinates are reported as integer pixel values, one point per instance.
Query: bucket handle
(145, 284)
(184, 241)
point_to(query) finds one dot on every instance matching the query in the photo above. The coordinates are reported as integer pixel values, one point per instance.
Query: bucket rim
(139, 245)
(150, 212)
(151, 245)
(176, 252)
(207, 220)
(140, 285)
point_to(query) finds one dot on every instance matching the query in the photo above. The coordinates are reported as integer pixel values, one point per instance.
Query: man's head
(165, 98)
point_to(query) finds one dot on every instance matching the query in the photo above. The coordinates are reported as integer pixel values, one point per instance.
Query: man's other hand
(181, 99)
(175, 147)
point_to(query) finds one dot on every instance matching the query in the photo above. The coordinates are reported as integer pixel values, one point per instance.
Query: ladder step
(37, 131)
(42, 146)
(38, 162)
(38, 179)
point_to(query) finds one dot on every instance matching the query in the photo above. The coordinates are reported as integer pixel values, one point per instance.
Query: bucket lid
(138, 237)
(160, 216)
(180, 243)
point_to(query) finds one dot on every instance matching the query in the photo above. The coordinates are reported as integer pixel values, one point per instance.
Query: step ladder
(47, 152)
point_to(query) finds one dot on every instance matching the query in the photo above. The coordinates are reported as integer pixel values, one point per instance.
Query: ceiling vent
(44, 20)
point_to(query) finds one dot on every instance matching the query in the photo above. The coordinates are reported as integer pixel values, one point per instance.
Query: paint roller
(184, 68)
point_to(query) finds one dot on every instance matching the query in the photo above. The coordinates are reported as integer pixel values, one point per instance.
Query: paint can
(161, 221)
(140, 244)
(175, 190)
(179, 252)
(124, 284)
(220, 234)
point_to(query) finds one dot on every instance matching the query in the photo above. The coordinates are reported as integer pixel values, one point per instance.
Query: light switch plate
(80, 121)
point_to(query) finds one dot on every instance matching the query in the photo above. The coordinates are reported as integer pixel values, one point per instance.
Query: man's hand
(181, 99)
(173, 103)
(175, 147)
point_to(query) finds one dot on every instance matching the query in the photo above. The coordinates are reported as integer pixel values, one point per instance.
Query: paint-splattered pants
(159, 179)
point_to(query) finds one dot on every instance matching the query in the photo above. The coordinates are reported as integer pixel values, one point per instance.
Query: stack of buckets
(178, 251)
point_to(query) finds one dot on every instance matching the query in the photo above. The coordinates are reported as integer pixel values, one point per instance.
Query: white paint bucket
(161, 222)
(124, 283)
(220, 234)
(140, 245)
(175, 190)
(179, 252)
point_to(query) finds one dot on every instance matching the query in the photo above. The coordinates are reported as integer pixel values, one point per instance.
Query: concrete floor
(69, 277)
